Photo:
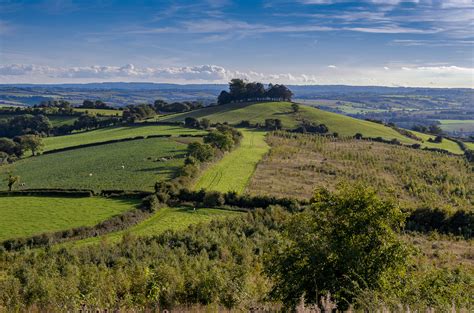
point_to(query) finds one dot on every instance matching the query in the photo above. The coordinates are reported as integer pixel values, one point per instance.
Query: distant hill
(234, 113)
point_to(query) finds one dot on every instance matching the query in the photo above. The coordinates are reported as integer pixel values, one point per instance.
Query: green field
(164, 219)
(457, 125)
(470, 145)
(234, 171)
(72, 169)
(27, 216)
(102, 112)
(257, 113)
(446, 144)
(113, 133)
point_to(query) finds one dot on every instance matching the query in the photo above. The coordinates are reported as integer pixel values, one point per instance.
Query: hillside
(234, 113)
(296, 165)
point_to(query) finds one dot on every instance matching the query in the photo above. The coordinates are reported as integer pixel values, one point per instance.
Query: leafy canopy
(346, 240)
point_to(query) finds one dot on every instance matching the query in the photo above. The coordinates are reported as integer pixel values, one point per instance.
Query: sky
(417, 43)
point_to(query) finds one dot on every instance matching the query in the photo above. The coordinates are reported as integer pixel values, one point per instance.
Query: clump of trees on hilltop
(242, 91)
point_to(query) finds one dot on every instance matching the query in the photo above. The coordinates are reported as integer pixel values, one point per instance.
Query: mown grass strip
(234, 170)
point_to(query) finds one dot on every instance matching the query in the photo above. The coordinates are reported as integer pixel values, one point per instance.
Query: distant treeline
(242, 91)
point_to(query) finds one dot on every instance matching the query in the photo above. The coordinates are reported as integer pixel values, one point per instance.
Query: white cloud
(429, 76)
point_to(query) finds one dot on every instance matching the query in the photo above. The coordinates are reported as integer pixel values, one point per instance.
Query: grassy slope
(470, 145)
(234, 171)
(164, 219)
(112, 133)
(71, 169)
(258, 112)
(26, 216)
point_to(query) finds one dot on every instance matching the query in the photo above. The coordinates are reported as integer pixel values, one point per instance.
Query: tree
(273, 124)
(224, 98)
(33, 143)
(205, 123)
(219, 140)
(295, 107)
(12, 180)
(10, 147)
(191, 122)
(344, 241)
(201, 152)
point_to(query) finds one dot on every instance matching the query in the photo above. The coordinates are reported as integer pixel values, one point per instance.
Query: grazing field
(446, 144)
(343, 125)
(102, 112)
(297, 164)
(470, 145)
(234, 170)
(27, 216)
(100, 167)
(457, 125)
(113, 133)
(165, 219)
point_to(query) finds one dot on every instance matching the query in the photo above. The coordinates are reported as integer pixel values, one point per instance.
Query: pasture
(113, 133)
(457, 125)
(100, 167)
(234, 170)
(24, 216)
(177, 218)
(343, 125)
(296, 166)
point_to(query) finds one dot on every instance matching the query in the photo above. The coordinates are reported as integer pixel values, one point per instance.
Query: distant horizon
(224, 84)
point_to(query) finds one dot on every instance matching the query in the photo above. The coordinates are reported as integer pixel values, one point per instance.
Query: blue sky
(373, 42)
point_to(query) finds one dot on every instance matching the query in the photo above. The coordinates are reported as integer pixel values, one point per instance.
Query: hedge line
(460, 223)
(76, 193)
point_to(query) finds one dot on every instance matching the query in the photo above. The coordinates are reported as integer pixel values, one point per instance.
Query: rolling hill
(234, 113)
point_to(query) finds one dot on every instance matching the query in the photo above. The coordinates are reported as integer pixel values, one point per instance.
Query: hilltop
(258, 112)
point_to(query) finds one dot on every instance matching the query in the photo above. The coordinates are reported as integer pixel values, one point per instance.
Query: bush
(213, 199)
(151, 204)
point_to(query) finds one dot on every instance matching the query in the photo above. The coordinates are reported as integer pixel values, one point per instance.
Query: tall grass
(297, 164)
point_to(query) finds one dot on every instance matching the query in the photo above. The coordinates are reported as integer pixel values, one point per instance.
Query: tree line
(242, 91)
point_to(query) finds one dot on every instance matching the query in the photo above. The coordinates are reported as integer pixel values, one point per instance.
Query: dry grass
(297, 164)
(442, 250)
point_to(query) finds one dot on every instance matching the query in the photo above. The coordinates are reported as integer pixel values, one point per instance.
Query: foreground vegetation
(297, 164)
(24, 216)
(240, 263)
(234, 170)
(133, 165)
